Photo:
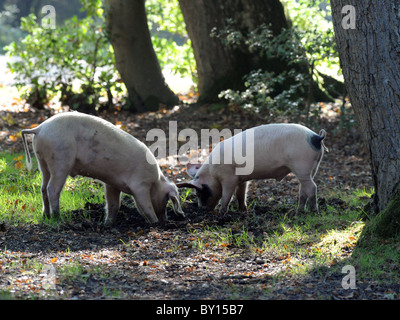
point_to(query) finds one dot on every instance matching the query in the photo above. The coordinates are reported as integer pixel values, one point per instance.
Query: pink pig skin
(74, 143)
(277, 150)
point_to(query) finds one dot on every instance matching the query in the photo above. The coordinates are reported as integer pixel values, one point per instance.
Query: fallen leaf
(19, 165)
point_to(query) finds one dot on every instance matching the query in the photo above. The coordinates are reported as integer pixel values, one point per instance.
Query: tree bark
(370, 59)
(220, 67)
(135, 58)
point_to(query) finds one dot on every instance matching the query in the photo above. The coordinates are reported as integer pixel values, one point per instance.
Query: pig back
(270, 151)
(282, 148)
(95, 147)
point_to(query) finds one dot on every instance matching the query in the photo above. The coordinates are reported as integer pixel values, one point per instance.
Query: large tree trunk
(370, 58)
(221, 67)
(135, 57)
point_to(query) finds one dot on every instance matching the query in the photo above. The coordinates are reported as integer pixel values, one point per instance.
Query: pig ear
(189, 184)
(176, 203)
(192, 168)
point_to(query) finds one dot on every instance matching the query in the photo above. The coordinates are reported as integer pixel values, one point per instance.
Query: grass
(302, 244)
(214, 236)
(311, 242)
(20, 195)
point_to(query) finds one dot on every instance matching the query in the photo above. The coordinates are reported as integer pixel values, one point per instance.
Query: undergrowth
(301, 243)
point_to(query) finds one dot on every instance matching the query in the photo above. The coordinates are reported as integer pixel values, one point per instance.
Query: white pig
(272, 151)
(74, 143)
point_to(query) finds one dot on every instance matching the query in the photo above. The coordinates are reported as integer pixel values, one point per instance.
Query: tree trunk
(221, 67)
(135, 58)
(370, 58)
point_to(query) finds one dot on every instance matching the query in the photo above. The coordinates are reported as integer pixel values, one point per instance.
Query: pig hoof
(299, 211)
(223, 211)
(109, 222)
(55, 216)
(46, 215)
(182, 215)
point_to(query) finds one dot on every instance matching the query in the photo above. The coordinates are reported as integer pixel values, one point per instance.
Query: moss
(386, 224)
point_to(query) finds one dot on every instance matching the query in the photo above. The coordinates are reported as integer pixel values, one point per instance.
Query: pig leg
(241, 192)
(144, 204)
(113, 203)
(308, 191)
(45, 180)
(54, 189)
(228, 188)
(312, 199)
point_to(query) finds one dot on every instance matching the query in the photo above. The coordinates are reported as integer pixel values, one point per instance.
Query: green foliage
(260, 92)
(302, 48)
(50, 60)
(76, 61)
(315, 28)
(170, 39)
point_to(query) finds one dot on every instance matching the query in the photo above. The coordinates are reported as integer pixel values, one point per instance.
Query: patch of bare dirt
(82, 259)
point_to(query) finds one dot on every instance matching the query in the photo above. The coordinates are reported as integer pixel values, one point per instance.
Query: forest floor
(267, 253)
